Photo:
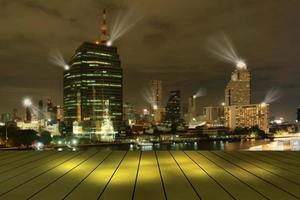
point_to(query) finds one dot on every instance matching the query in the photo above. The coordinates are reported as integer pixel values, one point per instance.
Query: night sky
(168, 43)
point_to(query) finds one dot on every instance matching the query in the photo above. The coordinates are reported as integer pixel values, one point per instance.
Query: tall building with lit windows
(238, 90)
(93, 86)
(173, 108)
(238, 110)
(156, 98)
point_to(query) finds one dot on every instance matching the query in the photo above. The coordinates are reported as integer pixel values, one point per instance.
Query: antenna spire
(104, 30)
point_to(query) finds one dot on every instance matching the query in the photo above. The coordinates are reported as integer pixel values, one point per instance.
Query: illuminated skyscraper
(95, 79)
(238, 90)
(173, 109)
(238, 111)
(156, 96)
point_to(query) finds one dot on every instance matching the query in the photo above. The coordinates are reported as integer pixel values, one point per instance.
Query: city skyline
(161, 46)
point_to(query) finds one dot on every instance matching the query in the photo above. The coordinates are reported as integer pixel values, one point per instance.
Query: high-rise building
(298, 114)
(214, 115)
(41, 110)
(191, 110)
(93, 82)
(28, 114)
(238, 110)
(6, 117)
(173, 108)
(156, 96)
(129, 114)
(238, 90)
(247, 116)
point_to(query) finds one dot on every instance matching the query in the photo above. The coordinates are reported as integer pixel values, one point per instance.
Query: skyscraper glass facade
(95, 77)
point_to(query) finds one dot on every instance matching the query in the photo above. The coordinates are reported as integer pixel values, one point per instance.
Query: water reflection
(288, 144)
(282, 144)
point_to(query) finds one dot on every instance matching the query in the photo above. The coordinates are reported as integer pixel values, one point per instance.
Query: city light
(126, 19)
(240, 64)
(27, 102)
(200, 93)
(74, 142)
(263, 104)
(272, 95)
(67, 67)
(109, 43)
(148, 97)
(222, 48)
(57, 59)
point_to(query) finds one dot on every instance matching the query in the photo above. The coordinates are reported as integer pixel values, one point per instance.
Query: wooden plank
(275, 162)
(264, 188)
(233, 185)
(10, 185)
(279, 171)
(122, 183)
(15, 158)
(176, 184)
(279, 182)
(205, 185)
(23, 162)
(149, 185)
(62, 186)
(95, 183)
(13, 173)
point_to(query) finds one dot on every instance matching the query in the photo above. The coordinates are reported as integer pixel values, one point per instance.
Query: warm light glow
(27, 102)
(67, 67)
(155, 107)
(223, 103)
(263, 104)
(109, 43)
(240, 64)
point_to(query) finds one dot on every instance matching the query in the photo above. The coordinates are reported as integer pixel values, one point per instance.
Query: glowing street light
(223, 104)
(27, 102)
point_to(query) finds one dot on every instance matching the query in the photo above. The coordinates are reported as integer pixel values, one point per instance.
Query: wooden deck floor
(149, 175)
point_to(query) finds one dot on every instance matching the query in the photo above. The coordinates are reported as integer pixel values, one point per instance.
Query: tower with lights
(238, 90)
(95, 73)
(238, 110)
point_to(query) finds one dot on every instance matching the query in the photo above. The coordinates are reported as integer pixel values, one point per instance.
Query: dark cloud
(167, 44)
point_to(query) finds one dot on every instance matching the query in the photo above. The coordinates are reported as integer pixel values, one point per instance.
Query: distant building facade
(247, 116)
(156, 96)
(238, 110)
(173, 108)
(238, 90)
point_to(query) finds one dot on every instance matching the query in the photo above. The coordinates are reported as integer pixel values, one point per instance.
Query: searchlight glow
(125, 20)
(263, 104)
(240, 64)
(272, 95)
(57, 59)
(222, 48)
(66, 67)
(200, 93)
(27, 102)
(109, 43)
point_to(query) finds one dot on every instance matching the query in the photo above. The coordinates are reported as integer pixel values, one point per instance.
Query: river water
(284, 144)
